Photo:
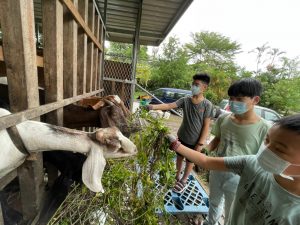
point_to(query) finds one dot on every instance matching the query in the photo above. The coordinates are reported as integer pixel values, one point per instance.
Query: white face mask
(272, 163)
(195, 90)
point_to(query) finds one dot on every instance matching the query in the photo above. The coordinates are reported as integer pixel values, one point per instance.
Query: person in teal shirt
(268, 192)
(240, 133)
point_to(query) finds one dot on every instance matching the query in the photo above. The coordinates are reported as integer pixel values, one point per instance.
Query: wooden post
(113, 88)
(70, 53)
(90, 49)
(82, 49)
(1, 216)
(53, 57)
(20, 58)
(96, 53)
(101, 56)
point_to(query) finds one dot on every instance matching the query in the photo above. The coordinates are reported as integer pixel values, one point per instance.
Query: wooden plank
(81, 22)
(1, 215)
(96, 53)
(13, 119)
(19, 53)
(101, 63)
(7, 179)
(113, 88)
(53, 57)
(69, 53)
(20, 58)
(90, 49)
(31, 176)
(39, 59)
(1, 54)
(82, 49)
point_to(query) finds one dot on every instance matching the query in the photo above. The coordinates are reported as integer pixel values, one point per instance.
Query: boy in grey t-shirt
(194, 128)
(269, 188)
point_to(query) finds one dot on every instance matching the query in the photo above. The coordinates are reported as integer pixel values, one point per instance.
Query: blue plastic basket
(192, 200)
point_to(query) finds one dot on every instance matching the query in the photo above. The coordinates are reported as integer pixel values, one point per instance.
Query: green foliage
(131, 194)
(124, 50)
(212, 48)
(280, 78)
(171, 69)
(143, 74)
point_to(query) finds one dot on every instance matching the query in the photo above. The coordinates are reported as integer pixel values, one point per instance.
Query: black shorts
(186, 145)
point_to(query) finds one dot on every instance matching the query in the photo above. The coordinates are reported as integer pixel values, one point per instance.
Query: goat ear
(108, 137)
(92, 170)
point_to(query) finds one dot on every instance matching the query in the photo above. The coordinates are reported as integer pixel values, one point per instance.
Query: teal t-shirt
(236, 139)
(193, 119)
(259, 200)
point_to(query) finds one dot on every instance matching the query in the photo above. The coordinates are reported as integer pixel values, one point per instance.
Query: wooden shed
(58, 46)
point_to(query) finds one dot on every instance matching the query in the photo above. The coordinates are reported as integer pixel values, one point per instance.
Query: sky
(251, 23)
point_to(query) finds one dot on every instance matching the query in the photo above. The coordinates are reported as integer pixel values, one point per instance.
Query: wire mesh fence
(117, 79)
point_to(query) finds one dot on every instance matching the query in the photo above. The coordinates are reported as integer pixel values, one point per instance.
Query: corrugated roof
(158, 17)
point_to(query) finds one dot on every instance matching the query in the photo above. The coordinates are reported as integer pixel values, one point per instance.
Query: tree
(214, 54)
(117, 50)
(171, 69)
(280, 77)
(212, 48)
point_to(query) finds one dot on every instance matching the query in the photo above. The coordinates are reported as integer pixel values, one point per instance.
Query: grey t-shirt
(193, 118)
(259, 199)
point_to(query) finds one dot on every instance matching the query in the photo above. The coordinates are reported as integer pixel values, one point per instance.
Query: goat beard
(92, 170)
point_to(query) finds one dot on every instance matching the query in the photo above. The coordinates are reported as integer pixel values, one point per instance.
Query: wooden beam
(96, 54)
(7, 179)
(20, 59)
(90, 49)
(53, 57)
(20, 53)
(13, 119)
(69, 53)
(39, 59)
(1, 215)
(81, 22)
(82, 49)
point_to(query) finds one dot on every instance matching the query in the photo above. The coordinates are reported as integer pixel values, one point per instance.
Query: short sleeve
(208, 110)
(236, 164)
(216, 130)
(180, 102)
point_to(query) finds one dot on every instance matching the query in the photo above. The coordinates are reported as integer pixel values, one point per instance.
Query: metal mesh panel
(117, 80)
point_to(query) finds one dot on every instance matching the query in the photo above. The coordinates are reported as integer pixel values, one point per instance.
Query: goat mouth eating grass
(37, 137)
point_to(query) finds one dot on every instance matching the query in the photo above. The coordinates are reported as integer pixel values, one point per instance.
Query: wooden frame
(62, 67)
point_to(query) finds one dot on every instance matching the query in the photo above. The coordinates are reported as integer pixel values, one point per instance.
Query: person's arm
(210, 163)
(213, 144)
(203, 135)
(164, 106)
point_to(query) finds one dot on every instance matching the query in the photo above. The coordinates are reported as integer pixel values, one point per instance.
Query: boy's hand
(174, 143)
(148, 107)
(199, 148)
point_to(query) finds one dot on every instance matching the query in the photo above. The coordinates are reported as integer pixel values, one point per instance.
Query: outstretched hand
(174, 143)
(147, 107)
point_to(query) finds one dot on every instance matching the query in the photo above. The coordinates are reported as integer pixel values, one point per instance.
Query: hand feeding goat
(37, 137)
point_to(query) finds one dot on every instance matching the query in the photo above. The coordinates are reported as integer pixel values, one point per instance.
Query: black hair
(291, 123)
(203, 77)
(246, 87)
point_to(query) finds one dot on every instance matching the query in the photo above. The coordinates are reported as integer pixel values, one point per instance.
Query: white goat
(37, 137)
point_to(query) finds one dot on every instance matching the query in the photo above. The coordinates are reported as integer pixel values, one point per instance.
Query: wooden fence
(68, 68)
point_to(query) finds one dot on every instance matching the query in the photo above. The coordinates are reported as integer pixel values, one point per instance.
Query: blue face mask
(195, 90)
(238, 108)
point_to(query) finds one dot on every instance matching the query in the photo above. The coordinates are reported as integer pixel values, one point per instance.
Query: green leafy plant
(134, 187)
